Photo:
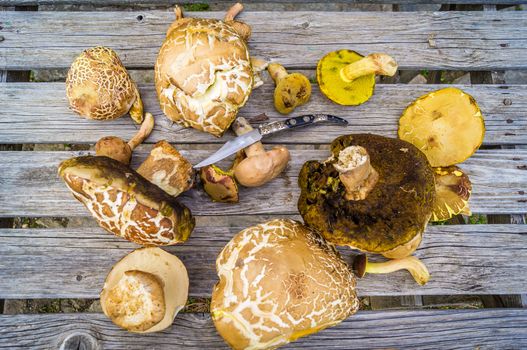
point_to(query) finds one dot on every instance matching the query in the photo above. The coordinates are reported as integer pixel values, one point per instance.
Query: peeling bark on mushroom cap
(99, 87)
(392, 217)
(453, 189)
(279, 281)
(203, 73)
(126, 204)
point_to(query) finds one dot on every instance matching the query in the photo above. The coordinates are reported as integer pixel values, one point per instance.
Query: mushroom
(203, 73)
(116, 148)
(348, 78)
(374, 194)
(145, 290)
(279, 281)
(166, 168)
(292, 90)
(99, 87)
(126, 204)
(220, 185)
(259, 166)
(453, 190)
(417, 269)
(446, 125)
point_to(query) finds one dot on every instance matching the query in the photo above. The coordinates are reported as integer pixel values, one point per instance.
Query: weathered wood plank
(38, 113)
(418, 40)
(73, 263)
(31, 187)
(430, 329)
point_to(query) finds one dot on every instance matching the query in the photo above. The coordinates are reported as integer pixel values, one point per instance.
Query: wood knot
(305, 25)
(507, 102)
(1, 38)
(80, 341)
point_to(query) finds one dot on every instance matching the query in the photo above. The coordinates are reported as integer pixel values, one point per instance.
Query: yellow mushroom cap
(453, 189)
(292, 91)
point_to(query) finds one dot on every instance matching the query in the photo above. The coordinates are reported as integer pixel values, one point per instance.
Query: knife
(245, 140)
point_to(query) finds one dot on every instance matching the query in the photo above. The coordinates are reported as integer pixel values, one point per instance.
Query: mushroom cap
(220, 185)
(98, 85)
(257, 170)
(339, 91)
(203, 74)
(292, 91)
(145, 290)
(114, 147)
(395, 212)
(279, 281)
(446, 125)
(453, 189)
(126, 204)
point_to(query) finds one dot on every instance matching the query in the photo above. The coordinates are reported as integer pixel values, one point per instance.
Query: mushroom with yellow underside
(292, 90)
(453, 189)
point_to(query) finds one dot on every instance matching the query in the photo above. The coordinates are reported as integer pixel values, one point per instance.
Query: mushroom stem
(375, 63)
(178, 12)
(241, 126)
(356, 172)
(233, 12)
(417, 269)
(146, 128)
(277, 72)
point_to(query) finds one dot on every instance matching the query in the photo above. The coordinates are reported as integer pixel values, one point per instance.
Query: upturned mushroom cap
(126, 204)
(292, 90)
(220, 185)
(453, 190)
(145, 290)
(279, 281)
(99, 87)
(392, 217)
(203, 74)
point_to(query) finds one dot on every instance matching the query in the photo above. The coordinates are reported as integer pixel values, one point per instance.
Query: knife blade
(247, 139)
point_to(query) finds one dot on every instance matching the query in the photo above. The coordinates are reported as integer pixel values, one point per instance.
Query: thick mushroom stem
(417, 269)
(243, 30)
(178, 12)
(375, 63)
(277, 72)
(146, 129)
(356, 172)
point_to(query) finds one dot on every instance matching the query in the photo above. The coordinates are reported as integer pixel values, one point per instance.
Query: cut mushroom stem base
(375, 63)
(417, 269)
(356, 172)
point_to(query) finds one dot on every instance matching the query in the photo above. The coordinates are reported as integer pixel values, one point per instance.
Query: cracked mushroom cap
(279, 281)
(392, 218)
(126, 204)
(203, 74)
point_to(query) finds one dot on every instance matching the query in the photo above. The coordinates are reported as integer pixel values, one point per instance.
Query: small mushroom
(348, 78)
(292, 90)
(116, 148)
(220, 185)
(417, 269)
(259, 166)
(145, 290)
(453, 190)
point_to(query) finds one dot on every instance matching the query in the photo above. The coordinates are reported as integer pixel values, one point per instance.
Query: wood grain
(418, 40)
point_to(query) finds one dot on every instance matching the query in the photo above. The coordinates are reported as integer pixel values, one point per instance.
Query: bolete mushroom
(374, 194)
(292, 90)
(166, 168)
(417, 269)
(203, 73)
(279, 281)
(453, 190)
(446, 125)
(348, 78)
(219, 184)
(126, 204)
(145, 290)
(99, 87)
(116, 148)
(259, 166)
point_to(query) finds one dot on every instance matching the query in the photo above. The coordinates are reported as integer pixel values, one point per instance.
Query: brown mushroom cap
(220, 185)
(279, 281)
(114, 147)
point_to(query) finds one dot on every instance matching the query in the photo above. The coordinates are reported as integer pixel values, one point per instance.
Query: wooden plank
(418, 40)
(45, 117)
(30, 185)
(430, 329)
(73, 263)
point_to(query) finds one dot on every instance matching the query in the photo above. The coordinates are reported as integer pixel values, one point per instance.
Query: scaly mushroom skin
(99, 87)
(292, 90)
(126, 204)
(203, 71)
(259, 166)
(279, 281)
(417, 269)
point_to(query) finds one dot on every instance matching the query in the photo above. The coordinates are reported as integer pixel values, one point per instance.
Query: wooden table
(72, 263)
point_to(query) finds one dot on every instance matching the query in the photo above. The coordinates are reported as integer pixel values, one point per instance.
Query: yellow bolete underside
(453, 190)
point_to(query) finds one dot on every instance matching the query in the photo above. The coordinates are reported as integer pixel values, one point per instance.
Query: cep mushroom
(219, 184)
(348, 78)
(292, 90)
(145, 290)
(279, 281)
(375, 194)
(453, 189)
(417, 269)
(259, 166)
(99, 87)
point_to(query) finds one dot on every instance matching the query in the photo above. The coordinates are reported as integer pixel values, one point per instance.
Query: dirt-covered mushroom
(279, 281)
(418, 270)
(348, 78)
(374, 194)
(292, 90)
(453, 190)
(446, 125)
(167, 168)
(126, 204)
(203, 72)
(259, 166)
(145, 290)
(99, 87)
(116, 148)
(219, 184)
